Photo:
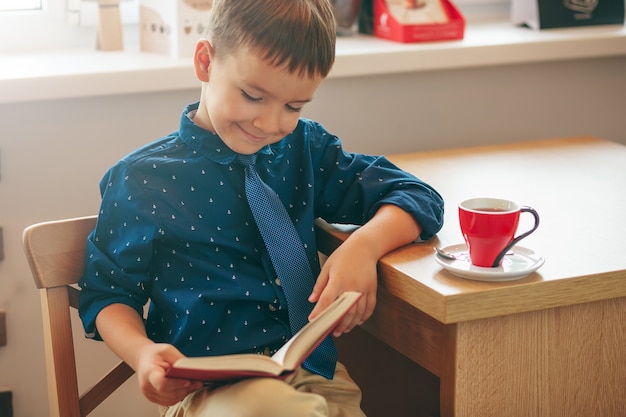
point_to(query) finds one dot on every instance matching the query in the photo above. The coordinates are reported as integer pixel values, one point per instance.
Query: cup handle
(524, 209)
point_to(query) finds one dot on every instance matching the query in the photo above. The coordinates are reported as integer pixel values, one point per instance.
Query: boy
(175, 227)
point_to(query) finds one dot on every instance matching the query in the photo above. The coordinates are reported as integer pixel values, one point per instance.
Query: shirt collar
(206, 142)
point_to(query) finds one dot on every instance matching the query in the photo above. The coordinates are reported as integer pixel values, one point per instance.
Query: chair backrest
(55, 251)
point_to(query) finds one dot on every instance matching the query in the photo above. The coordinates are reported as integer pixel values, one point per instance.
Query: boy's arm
(123, 331)
(353, 266)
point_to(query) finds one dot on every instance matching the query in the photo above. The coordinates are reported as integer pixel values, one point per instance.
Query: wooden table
(551, 344)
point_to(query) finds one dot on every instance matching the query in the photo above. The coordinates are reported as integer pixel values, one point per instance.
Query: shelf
(86, 72)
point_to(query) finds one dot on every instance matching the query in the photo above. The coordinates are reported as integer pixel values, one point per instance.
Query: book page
(295, 351)
(218, 364)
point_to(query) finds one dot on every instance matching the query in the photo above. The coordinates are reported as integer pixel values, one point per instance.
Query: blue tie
(289, 260)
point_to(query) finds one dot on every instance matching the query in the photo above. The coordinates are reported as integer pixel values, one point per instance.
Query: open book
(284, 361)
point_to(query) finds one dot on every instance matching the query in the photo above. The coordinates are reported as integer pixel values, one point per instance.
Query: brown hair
(299, 34)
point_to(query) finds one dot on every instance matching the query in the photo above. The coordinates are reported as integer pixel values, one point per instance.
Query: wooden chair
(56, 252)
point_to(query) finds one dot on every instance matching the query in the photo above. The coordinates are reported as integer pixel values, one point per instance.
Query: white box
(172, 27)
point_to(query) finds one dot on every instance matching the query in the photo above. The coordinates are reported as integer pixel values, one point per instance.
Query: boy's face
(250, 103)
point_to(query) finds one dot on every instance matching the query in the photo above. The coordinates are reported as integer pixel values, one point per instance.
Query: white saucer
(521, 263)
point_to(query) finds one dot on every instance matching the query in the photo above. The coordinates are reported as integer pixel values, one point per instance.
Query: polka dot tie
(289, 260)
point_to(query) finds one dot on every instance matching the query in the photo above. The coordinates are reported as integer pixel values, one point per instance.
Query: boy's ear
(202, 59)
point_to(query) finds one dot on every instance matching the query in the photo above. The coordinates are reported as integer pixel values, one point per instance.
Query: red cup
(489, 226)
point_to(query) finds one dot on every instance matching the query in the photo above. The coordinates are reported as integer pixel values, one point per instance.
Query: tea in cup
(489, 226)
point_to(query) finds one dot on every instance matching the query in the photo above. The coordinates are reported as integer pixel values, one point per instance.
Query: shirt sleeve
(119, 249)
(351, 187)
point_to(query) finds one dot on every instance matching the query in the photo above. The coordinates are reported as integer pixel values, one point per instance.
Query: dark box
(548, 14)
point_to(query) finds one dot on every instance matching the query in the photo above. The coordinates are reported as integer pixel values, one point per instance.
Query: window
(39, 25)
(474, 10)
(20, 5)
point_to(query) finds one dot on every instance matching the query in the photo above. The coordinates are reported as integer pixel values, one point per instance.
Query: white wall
(53, 153)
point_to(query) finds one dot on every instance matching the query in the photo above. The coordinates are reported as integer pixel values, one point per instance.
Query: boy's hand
(349, 268)
(353, 265)
(122, 328)
(153, 361)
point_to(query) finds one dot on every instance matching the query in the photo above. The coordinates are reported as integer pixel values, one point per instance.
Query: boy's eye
(294, 109)
(259, 100)
(250, 98)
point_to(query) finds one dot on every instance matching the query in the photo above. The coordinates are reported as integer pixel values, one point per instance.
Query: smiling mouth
(252, 137)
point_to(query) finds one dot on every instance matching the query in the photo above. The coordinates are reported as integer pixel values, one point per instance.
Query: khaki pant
(302, 394)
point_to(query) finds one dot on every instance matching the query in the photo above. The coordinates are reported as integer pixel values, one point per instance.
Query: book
(286, 360)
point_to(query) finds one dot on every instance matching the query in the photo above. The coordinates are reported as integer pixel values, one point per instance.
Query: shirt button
(267, 351)
(272, 307)
(277, 281)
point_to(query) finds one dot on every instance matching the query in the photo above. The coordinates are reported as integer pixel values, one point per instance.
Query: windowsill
(86, 72)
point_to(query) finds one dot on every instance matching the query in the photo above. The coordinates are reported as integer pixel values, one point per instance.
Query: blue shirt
(175, 229)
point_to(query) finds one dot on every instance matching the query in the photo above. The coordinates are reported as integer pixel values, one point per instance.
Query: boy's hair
(299, 34)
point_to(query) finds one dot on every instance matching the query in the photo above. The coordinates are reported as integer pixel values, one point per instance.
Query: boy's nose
(268, 121)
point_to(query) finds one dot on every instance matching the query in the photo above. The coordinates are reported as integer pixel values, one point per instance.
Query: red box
(392, 21)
